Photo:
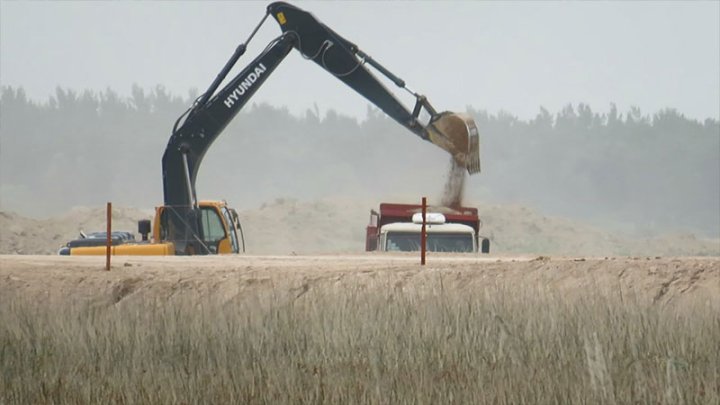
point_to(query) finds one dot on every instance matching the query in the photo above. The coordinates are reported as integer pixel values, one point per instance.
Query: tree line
(656, 171)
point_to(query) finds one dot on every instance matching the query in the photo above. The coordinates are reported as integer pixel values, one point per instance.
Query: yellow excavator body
(130, 249)
(219, 222)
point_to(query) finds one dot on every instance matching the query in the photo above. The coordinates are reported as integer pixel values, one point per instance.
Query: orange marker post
(109, 236)
(423, 237)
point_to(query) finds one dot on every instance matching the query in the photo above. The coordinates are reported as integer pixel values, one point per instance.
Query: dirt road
(650, 280)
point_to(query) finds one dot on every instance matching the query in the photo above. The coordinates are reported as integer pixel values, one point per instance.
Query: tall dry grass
(503, 345)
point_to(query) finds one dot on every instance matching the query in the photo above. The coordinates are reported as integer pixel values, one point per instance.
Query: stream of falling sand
(454, 186)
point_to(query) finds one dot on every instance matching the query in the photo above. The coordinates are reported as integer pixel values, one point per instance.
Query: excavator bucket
(457, 134)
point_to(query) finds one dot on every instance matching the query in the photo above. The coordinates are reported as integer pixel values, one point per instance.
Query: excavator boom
(455, 133)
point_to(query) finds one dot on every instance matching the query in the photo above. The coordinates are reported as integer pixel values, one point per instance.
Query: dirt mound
(645, 280)
(21, 235)
(286, 226)
(517, 229)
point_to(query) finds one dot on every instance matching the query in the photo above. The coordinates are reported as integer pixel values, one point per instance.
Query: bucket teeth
(457, 134)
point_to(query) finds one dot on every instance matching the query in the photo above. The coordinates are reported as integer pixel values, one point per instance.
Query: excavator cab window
(212, 228)
(231, 219)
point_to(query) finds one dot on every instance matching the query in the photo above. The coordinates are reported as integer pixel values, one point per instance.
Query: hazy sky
(514, 56)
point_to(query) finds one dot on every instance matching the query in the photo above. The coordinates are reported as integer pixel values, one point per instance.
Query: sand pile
(286, 226)
(518, 229)
(21, 235)
(650, 280)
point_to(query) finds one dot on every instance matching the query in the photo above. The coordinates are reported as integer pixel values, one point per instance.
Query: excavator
(186, 226)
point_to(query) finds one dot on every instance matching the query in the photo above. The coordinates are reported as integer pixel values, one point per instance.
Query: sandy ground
(648, 280)
(298, 246)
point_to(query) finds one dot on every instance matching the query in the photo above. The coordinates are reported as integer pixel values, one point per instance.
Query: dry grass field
(360, 329)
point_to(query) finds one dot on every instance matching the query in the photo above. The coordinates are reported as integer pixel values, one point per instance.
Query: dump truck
(183, 225)
(397, 228)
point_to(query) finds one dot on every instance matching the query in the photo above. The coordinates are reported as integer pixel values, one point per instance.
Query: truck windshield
(436, 242)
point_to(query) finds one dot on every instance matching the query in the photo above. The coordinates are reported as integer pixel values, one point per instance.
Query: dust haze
(574, 179)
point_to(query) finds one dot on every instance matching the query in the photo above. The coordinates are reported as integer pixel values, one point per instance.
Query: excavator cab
(218, 229)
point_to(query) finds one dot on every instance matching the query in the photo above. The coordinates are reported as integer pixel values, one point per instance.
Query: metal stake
(423, 236)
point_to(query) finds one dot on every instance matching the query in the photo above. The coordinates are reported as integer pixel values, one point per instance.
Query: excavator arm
(456, 133)
(196, 130)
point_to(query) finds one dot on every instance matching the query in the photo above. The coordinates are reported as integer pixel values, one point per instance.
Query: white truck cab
(397, 228)
(405, 237)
